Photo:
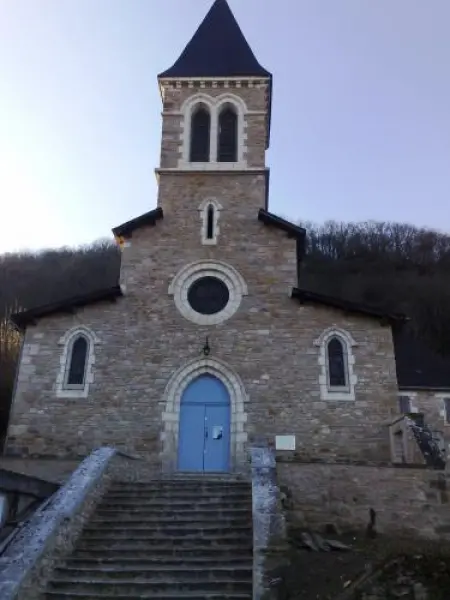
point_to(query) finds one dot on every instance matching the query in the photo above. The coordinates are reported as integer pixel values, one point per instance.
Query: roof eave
(22, 319)
(424, 388)
(306, 296)
(291, 229)
(148, 218)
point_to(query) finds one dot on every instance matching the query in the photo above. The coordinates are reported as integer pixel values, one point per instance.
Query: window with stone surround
(337, 379)
(208, 292)
(407, 402)
(404, 404)
(76, 363)
(209, 215)
(447, 410)
(210, 222)
(337, 364)
(213, 132)
(227, 138)
(200, 134)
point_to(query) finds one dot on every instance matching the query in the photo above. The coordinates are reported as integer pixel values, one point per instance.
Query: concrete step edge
(54, 581)
(194, 497)
(208, 595)
(168, 550)
(165, 524)
(188, 510)
(154, 568)
(162, 564)
(165, 519)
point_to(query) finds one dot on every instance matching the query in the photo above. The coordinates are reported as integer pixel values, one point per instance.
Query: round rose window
(208, 295)
(208, 292)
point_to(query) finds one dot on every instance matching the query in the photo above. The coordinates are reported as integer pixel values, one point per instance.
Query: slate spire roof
(217, 49)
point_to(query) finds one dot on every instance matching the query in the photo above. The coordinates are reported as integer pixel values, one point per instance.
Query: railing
(7, 538)
(413, 442)
(429, 447)
(20, 497)
(53, 528)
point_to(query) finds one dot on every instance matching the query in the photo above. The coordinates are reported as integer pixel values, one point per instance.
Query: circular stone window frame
(190, 273)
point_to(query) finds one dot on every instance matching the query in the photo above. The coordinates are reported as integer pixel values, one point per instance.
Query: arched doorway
(204, 427)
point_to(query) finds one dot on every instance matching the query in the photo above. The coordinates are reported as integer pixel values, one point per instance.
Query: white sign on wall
(285, 442)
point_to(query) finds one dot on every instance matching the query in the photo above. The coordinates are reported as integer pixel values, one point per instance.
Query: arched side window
(209, 215)
(227, 139)
(337, 364)
(200, 134)
(76, 363)
(337, 379)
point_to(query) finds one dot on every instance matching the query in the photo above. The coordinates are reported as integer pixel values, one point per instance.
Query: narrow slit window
(228, 135)
(77, 362)
(337, 369)
(447, 410)
(404, 404)
(200, 135)
(210, 222)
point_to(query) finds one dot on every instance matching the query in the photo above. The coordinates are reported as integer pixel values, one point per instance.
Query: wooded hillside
(390, 265)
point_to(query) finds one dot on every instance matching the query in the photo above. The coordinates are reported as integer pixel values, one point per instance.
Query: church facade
(208, 341)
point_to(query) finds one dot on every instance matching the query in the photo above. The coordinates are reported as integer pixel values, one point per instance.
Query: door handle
(206, 433)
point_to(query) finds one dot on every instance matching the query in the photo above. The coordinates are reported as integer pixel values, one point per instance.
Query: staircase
(433, 455)
(166, 539)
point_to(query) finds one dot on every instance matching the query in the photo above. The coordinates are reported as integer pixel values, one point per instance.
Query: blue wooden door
(217, 442)
(204, 434)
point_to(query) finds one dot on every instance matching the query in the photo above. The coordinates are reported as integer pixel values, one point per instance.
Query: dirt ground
(312, 575)
(323, 575)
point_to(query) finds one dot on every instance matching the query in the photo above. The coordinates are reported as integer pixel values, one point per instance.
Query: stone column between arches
(171, 414)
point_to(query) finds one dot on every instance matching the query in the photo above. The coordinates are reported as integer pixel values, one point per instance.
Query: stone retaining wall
(49, 469)
(411, 501)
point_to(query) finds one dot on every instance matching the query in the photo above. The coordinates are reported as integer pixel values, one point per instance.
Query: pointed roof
(217, 49)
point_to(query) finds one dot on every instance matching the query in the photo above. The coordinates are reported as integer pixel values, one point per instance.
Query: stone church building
(209, 341)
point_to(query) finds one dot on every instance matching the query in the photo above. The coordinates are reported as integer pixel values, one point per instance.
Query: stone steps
(169, 495)
(169, 539)
(163, 550)
(167, 528)
(149, 541)
(180, 484)
(194, 519)
(137, 585)
(157, 503)
(162, 512)
(174, 573)
(142, 561)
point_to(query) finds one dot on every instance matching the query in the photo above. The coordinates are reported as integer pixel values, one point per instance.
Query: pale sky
(361, 110)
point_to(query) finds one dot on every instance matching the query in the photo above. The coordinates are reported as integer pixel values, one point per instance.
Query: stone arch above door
(171, 414)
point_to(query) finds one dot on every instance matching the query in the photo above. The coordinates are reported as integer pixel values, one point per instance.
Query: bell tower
(216, 119)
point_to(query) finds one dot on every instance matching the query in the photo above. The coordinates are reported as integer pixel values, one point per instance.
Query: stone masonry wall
(266, 348)
(409, 501)
(143, 340)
